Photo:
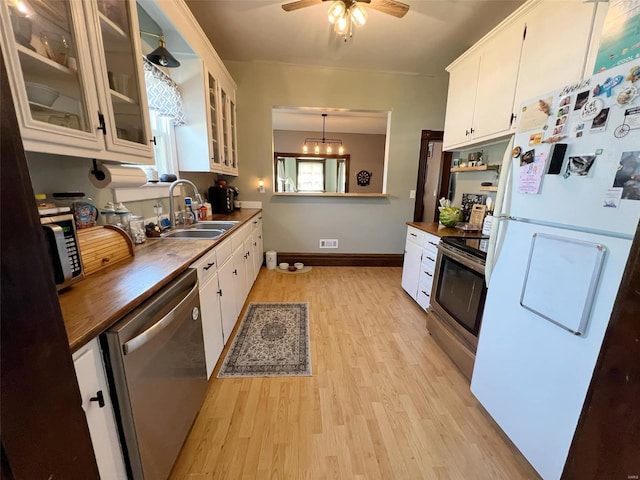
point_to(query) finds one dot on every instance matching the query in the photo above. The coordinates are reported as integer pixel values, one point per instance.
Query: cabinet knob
(98, 398)
(235, 272)
(219, 292)
(153, 140)
(472, 130)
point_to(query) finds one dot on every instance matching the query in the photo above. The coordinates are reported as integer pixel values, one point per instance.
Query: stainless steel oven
(457, 298)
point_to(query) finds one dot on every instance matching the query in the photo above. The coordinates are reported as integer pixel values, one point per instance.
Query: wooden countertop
(94, 304)
(442, 231)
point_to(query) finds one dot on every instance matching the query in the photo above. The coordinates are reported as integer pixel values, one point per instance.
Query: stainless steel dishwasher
(156, 364)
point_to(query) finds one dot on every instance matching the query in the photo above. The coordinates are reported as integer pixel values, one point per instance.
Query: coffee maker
(221, 198)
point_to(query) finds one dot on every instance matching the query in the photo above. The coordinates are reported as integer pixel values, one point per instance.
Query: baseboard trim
(343, 259)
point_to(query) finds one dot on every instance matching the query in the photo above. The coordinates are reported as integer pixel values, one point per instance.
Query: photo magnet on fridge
(579, 165)
(558, 151)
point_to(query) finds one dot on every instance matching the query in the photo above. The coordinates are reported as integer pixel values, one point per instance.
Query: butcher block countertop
(441, 231)
(94, 304)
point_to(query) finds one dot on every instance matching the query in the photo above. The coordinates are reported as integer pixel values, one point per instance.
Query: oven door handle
(144, 337)
(462, 258)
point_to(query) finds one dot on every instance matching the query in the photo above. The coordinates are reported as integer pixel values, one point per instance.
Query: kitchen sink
(212, 233)
(215, 224)
(207, 229)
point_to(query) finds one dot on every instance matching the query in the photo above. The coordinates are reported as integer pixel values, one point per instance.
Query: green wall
(362, 225)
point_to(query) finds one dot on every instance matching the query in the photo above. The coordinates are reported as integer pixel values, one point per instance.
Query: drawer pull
(413, 234)
(429, 258)
(432, 243)
(429, 274)
(209, 265)
(426, 293)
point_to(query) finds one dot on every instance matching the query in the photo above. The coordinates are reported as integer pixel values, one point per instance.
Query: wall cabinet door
(497, 78)
(461, 99)
(51, 76)
(549, 62)
(59, 59)
(98, 408)
(119, 71)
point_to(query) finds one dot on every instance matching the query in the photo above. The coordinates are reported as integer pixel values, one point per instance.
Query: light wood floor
(383, 402)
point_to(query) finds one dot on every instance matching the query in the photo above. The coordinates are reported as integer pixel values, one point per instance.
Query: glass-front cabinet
(121, 72)
(228, 127)
(75, 77)
(214, 145)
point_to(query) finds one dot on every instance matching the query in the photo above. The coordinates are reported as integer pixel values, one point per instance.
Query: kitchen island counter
(91, 306)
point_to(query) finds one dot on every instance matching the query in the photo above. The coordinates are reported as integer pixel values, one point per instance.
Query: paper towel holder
(96, 172)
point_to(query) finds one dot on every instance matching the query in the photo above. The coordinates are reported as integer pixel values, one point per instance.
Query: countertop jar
(137, 229)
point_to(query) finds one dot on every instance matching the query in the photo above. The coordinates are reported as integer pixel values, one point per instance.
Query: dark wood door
(44, 429)
(430, 166)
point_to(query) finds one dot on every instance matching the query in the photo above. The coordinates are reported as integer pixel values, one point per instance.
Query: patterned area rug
(272, 341)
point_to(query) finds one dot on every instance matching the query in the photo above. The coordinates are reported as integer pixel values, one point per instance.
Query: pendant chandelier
(344, 15)
(326, 143)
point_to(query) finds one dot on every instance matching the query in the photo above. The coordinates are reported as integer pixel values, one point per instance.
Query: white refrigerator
(567, 208)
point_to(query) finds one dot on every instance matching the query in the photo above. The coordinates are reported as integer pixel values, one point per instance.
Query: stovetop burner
(476, 246)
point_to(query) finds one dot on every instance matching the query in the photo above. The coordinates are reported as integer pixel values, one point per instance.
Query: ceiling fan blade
(288, 7)
(390, 7)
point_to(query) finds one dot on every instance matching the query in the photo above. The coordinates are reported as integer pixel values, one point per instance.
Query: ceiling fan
(344, 14)
(390, 7)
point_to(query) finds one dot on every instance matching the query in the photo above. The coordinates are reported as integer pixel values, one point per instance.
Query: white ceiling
(429, 37)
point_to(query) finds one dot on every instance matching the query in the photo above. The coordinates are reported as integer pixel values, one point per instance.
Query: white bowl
(284, 266)
(41, 94)
(298, 265)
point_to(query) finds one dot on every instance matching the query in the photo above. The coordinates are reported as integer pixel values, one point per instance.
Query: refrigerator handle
(503, 184)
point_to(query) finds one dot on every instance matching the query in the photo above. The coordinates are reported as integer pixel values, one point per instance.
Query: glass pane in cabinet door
(115, 27)
(213, 115)
(225, 129)
(46, 44)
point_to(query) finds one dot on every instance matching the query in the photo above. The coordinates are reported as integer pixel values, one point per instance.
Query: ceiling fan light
(342, 25)
(358, 14)
(336, 10)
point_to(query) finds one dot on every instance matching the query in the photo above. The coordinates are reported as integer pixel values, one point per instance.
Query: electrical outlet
(328, 243)
(412, 194)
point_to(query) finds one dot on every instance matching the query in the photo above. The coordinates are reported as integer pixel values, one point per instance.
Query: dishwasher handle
(144, 337)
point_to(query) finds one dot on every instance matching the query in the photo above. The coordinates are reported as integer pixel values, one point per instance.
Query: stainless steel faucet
(172, 208)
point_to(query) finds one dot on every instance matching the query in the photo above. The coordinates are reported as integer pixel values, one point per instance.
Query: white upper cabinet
(207, 142)
(547, 62)
(499, 60)
(76, 79)
(541, 46)
(461, 99)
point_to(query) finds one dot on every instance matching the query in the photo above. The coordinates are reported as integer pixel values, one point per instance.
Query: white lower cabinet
(257, 252)
(412, 261)
(98, 409)
(421, 251)
(240, 275)
(210, 309)
(223, 285)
